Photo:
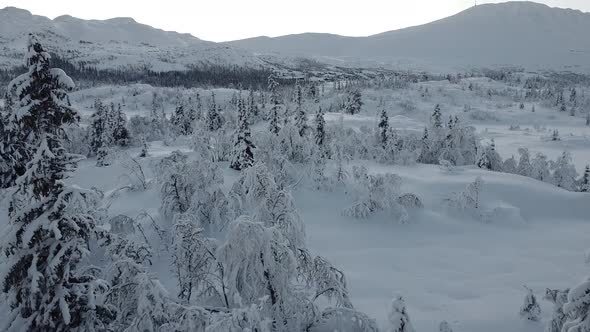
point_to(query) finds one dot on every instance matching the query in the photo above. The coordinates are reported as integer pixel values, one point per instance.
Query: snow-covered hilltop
(514, 33)
(113, 44)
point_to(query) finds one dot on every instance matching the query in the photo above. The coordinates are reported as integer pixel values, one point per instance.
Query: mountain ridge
(518, 33)
(511, 33)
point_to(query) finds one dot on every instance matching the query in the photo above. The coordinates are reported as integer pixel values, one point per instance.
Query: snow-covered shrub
(558, 318)
(468, 200)
(192, 259)
(258, 263)
(135, 172)
(378, 192)
(530, 309)
(398, 318)
(410, 201)
(564, 172)
(186, 184)
(577, 308)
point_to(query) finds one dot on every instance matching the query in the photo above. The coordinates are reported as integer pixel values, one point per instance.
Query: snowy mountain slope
(515, 33)
(114, 43)
(14, 22)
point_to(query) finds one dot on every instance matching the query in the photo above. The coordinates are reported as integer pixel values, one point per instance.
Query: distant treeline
(208, 76)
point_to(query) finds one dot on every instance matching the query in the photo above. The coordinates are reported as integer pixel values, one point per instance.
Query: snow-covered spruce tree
(13, 150)
(398, 318)
(121, 135)
(436, 118)
(353, 102)
(275, 102)
(100, 136)
(564, 172)
(320, 130)
(383, 128)
(300, 116)
(573, 97)
(530, 309)
(425, 153)
(213, 119)
(585, 180)
(51, 223)
(243, 154)
(558, 318)
(252, 106)
(31, 93)
(274, 120)
(183, 120)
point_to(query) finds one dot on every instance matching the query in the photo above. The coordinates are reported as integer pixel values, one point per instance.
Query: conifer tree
(213, 121)
(273, 115)
(573, 97)
(353, 102)
(99, 127)
(121, 135)
(50, 223)
(383, 128)
(300, 116)
(273, 125)
(320, 123)
(13, 151)
(252, 107)
(243, 156)
(436, 118)
(585, 182)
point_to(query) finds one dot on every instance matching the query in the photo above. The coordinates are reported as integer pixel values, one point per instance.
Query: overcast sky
(223, 20)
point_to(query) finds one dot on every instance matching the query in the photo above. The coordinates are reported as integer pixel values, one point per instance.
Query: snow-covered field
(448, 267)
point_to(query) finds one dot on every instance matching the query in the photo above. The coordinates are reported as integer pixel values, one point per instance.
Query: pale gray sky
(222, 20)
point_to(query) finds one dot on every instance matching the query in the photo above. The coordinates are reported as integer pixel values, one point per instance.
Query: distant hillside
(513, 33)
